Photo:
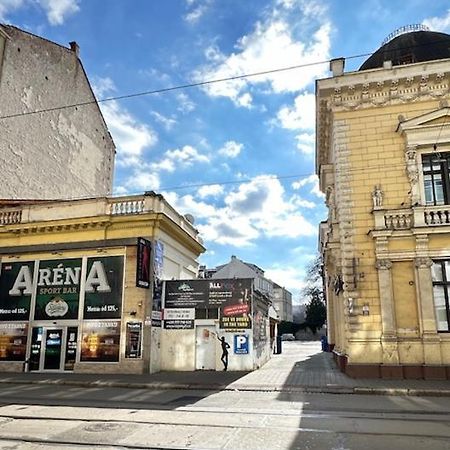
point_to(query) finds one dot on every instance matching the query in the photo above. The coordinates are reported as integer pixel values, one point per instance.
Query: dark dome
(408, 48)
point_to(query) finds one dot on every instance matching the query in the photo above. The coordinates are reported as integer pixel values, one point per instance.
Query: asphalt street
(266, 409)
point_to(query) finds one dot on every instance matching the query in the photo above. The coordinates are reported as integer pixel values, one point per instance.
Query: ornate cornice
(389, 92)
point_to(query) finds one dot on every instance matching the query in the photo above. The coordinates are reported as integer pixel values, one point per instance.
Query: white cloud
(441, 24)
(311, 180)
(103, 86)
(301, 116)
(231, 149)
(271, 45)
(210, 191)
(184, 157)
(131, 136)
(289, 277)
(8, 6)
(139, 181)
(199, 9)
(167, 122)
(186, 105)
(254, 209)
(58, 10)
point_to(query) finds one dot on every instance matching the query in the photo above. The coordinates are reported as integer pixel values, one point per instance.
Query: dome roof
(408, 48)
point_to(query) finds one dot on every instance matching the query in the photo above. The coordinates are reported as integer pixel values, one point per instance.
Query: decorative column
(430, 336)
(388, 322)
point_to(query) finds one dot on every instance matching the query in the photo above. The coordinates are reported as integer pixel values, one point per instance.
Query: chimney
(75, 48)
(337, 66)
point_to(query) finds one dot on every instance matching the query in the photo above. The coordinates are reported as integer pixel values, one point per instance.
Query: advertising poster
(100, 341)
(58, 289)
(181, 324)
(16, 288)
(235, 303)
(144, 248)
(158, 255)
(186, 294)
(104, 287)
(13, 341)
(133, 340)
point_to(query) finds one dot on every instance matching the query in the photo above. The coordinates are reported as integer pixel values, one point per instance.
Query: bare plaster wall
(66, 153)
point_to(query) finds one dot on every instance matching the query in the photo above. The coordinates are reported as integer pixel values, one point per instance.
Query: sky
(238, 155)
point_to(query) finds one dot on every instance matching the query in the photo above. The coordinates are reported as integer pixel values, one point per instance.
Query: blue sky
(248, 144)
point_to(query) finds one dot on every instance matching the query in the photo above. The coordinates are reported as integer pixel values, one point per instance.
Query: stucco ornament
(423, 262)
(412, 171)
(330, 202)
(377, 196)
(383, 264)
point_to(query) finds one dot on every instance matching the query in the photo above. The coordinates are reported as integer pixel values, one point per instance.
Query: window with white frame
(440, 272)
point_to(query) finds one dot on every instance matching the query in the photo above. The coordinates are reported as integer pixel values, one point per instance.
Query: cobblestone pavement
(301, 367)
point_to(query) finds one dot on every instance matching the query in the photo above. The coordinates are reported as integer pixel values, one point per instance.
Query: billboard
(232, 296)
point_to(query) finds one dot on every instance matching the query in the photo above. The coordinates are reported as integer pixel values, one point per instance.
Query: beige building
(282, 302)
(383, 159)
(80, 282)
(62, 152)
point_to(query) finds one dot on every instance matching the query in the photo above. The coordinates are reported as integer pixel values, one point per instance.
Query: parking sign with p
(241, 344)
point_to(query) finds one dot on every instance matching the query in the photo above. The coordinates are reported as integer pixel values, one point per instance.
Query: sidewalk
(302, 367)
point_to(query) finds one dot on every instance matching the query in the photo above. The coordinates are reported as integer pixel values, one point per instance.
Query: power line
(208, 82)
(174, 88)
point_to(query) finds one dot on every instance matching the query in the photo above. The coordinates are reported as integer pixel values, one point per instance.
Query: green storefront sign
(16, 289)
(58, 289)
(103, 290)
(56, 286)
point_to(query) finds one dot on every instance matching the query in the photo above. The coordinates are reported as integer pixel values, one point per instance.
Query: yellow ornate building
(383, 159)
(80, 282)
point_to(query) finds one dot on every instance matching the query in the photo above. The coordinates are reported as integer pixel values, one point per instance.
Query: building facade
(237, 268)
(81, 282)
(200, 312)
(383, 154)
(282, 302)
(63, 152)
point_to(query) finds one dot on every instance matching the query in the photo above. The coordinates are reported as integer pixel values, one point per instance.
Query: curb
(338, 390)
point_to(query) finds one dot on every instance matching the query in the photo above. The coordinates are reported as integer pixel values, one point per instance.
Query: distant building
(240, 269)
(282, 302)
(61, 152)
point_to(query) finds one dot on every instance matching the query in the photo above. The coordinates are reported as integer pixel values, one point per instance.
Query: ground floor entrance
(53, 348)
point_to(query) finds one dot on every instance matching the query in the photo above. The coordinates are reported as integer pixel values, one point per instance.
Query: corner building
(383, 160)
(80, 282)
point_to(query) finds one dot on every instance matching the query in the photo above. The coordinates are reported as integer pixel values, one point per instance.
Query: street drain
(102, 427)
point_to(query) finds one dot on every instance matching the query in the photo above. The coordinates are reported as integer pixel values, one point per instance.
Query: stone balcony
(405, 219)
(26, 212)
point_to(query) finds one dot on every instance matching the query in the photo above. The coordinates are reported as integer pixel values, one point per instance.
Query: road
(64, 417)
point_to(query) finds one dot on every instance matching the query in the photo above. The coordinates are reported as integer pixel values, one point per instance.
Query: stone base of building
(391, 372)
